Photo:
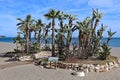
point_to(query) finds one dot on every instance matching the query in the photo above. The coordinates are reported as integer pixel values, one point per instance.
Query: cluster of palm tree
(24, 38)
(89, 37)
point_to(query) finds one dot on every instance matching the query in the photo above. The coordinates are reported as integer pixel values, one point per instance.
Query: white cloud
(43, 10)
(101, 3)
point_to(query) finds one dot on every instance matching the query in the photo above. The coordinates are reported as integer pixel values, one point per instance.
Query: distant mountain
(2, 36)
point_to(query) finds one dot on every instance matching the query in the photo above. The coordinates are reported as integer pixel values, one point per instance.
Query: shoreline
(8, 47)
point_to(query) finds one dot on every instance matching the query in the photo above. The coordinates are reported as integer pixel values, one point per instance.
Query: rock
(76, 65)
(102, 68)
(115, 64)
(88, 65)
(106, 67)
(41, 67)
(81, 68)
(91, 68)
(70, 69)
(25, 58)
(97, 68)
(42, 54)
(111, 63)
(86, 70)
(118, 60)
(84, 65)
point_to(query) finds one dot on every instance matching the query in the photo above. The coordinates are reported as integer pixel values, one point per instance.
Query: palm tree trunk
(29, 35)
(39, 41)
(93, 32)
(96, 23)
(39, 36)
(35, 38)
(68, 41)
(79, 38)
(108, 41)
(53, 37)
(27, 40)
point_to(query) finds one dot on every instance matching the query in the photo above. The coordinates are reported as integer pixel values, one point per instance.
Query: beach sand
(6, 47)
(32, 72)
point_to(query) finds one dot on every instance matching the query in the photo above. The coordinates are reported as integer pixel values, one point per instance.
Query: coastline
(8, 47)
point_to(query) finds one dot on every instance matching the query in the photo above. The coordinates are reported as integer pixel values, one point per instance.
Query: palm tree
(37, 29)
(83, 36)
(70, 28)
(24, 26)
(40, 25)
(110, 34)
(46, 35)
(52, 14)
(60, 35)
(95, 20)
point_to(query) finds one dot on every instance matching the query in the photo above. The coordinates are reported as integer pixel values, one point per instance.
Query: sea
(114, 42)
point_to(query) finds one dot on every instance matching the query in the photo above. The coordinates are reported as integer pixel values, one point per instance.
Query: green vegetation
(62, 26)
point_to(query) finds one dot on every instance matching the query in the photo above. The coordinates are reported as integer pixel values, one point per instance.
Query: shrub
(105, 51)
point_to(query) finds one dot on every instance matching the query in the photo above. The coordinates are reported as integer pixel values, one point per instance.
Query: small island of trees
(60, 29)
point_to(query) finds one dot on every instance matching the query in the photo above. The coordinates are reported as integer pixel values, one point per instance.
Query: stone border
(89, 67)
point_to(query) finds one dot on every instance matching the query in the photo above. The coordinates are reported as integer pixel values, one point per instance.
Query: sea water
(114, 42)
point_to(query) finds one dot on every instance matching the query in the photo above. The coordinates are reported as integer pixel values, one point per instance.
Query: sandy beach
(32, 72)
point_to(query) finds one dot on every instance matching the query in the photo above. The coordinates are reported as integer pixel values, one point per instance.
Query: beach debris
(79, 73)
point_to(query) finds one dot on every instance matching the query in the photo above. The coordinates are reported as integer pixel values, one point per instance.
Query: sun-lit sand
(32, 72)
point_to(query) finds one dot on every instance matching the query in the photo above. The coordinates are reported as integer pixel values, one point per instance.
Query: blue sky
(12, 9)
